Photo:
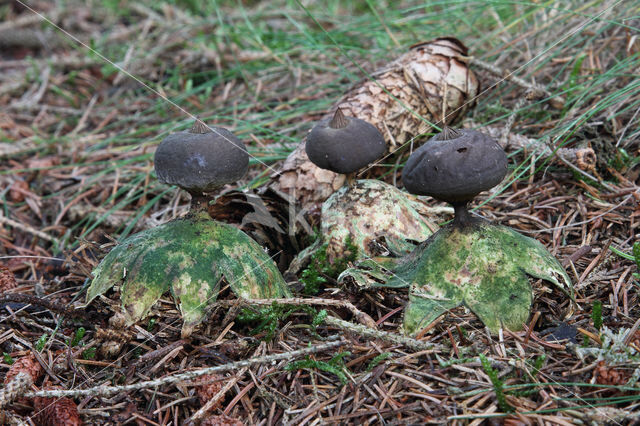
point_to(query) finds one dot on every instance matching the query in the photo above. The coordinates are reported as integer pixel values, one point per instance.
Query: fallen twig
(535, 91)
(199, 415)
(581, 158)
(6, 221)
(48, 304)
(382, 335)
(298, 301)
(185, 377)
(29, 19)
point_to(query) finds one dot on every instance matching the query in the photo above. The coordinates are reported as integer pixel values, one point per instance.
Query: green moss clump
(596, 314)
(498, 385)
(335, 365)
(320, 271)
(266, 319)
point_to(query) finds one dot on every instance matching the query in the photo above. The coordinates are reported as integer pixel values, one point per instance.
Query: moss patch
(321, 269)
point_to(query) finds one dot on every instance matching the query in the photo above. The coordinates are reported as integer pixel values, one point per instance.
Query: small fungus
(365, 211)
(344, 144)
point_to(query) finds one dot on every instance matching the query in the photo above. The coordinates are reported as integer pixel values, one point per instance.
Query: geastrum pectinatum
(190, 256)
(469, 261)
(366, 211)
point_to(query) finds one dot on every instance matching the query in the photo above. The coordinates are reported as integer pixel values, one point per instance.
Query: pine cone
(27, 364)
(635, 340)
(207, 387)
(221, 421)
(7, 280)
(113, 338)
(416, 84)
(611, 376)
(15, 388)
(56, 412)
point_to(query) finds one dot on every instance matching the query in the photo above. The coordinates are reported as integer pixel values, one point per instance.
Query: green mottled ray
(372, 210)
(482, 266)
(188, 256)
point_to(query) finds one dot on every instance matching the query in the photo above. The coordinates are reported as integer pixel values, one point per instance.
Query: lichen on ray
(484, 267)
(189, 256)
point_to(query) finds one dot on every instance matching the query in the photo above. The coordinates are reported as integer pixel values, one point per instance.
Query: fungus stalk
(462, 218)
(199, 202)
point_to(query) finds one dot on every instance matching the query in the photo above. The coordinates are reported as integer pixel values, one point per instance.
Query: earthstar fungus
(469, 261)
(191, 255)
(365, 210)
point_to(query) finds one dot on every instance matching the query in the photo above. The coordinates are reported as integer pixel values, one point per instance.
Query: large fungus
(191, 255)
(472, 262)
(369, 213)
